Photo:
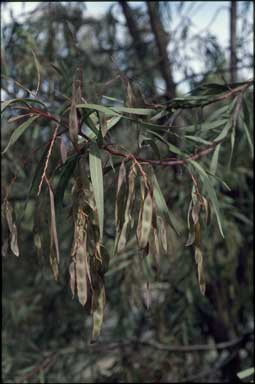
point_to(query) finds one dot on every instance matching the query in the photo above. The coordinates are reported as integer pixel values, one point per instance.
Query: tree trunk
(233, 58)
(133, 30)
(161, 42)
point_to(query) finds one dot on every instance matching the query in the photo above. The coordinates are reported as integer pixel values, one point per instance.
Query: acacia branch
(177, 348)
(166, 162)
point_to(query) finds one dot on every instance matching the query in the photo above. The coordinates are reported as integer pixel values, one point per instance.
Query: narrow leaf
(135, 111)
(96, 172)
(100, 108)
(246, 373)
(19, 131)
(54, 251)
(66, 173)
(249, 139)
(214, 162)
(6, 103)
(162, 206)
(8, 212)
(38, 71)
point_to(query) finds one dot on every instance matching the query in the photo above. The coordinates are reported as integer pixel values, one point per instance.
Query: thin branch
(166, 162)
(177, 348)
(44, 177)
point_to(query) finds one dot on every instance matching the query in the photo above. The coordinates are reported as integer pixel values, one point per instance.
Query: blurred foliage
(46, 334)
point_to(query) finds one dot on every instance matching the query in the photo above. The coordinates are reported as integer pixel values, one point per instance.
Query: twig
(44, 177)
(176, 348)
(166, 162)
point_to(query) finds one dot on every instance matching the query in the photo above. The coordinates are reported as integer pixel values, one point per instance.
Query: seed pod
(144, 226)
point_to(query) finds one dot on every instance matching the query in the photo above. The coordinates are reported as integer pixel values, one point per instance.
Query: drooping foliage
(133, 200)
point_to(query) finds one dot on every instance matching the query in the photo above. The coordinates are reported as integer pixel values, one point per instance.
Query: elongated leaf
(223, 111)
(112, 122)
(54, 247)
(162, 206)
(135, 111)
(205, 126)
(100, 108)
(37, 64)
(249, 139)
(211, 192)
(65, 175)
(224, 132)
(16, 118)
(19, 131)
(247, 113)
(96, 172)
(8, 213)
(172, 147)
(5, 104)
(214, 162)
(232, 141)
(198, 139)
(246, 373)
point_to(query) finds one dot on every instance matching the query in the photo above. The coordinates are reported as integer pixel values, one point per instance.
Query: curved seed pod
(200, 269)
(197, 234)
(144, 229)
(195, 212)
(81, 273)
(72, 277)
(127, 217)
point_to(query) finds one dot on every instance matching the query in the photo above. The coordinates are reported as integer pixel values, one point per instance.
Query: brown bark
(161, 42)
(233, 57)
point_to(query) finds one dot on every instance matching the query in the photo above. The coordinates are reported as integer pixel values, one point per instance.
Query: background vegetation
(183, 335)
